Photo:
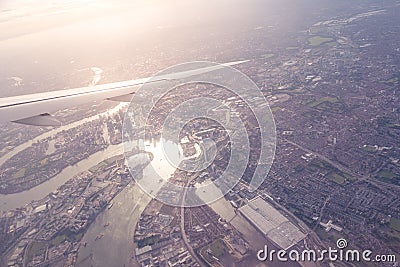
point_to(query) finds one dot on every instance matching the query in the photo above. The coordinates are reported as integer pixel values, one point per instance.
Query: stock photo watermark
(188, 121)
(336, 254)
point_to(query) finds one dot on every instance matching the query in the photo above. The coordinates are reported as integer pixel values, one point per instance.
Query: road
(344, 169)
(338, 166)
(183, 233)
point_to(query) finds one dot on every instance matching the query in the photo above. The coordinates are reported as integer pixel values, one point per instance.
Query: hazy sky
(43, 39)
(47, 43)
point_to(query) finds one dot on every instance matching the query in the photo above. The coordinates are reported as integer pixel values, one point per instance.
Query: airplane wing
(36, 109)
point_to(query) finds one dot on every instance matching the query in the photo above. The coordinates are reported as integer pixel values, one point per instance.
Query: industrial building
(272, 223)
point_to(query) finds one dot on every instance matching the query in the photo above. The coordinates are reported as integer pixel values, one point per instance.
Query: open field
(214, 250)
(394, 224)
(319, 40)
(392, 82)
(337, 178)
(20, 173)
(370, 149)
(318, 102)
(385, 174)
(35, 248)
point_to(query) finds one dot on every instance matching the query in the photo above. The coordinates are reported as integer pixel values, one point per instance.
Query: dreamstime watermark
(340, 253)
(157, 115)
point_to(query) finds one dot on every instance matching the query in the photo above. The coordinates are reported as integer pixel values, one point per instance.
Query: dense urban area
(333, 89)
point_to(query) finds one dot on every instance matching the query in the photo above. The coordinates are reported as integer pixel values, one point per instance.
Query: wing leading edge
(36, 109)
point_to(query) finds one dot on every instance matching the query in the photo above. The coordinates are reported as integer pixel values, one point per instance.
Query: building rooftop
(272, 223)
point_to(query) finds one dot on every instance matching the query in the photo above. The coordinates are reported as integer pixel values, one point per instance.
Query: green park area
(35, 248)
(318, 102)
(386, 174)
(268, 56)
(337, 178)
(216, 249)
(171, 211)
(276, 109)
(369, 149)
(328, 104)
(58, 240)
(394, 224)
(340, 177)
(319, 40)
(98, 167)
(394, 125)
(20, 173)
(390, 233)
(148, 241)
(333, 173)
(392, 81)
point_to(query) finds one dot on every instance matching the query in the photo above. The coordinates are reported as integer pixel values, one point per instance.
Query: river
(17, 200)
(109, 239)
(115, 247)
(116, 226)
(55, 131)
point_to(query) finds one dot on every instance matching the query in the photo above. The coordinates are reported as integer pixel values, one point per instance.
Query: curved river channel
(17, 200)
(115, 248)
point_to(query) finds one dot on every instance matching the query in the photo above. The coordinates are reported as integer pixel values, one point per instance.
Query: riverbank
(21, 199)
